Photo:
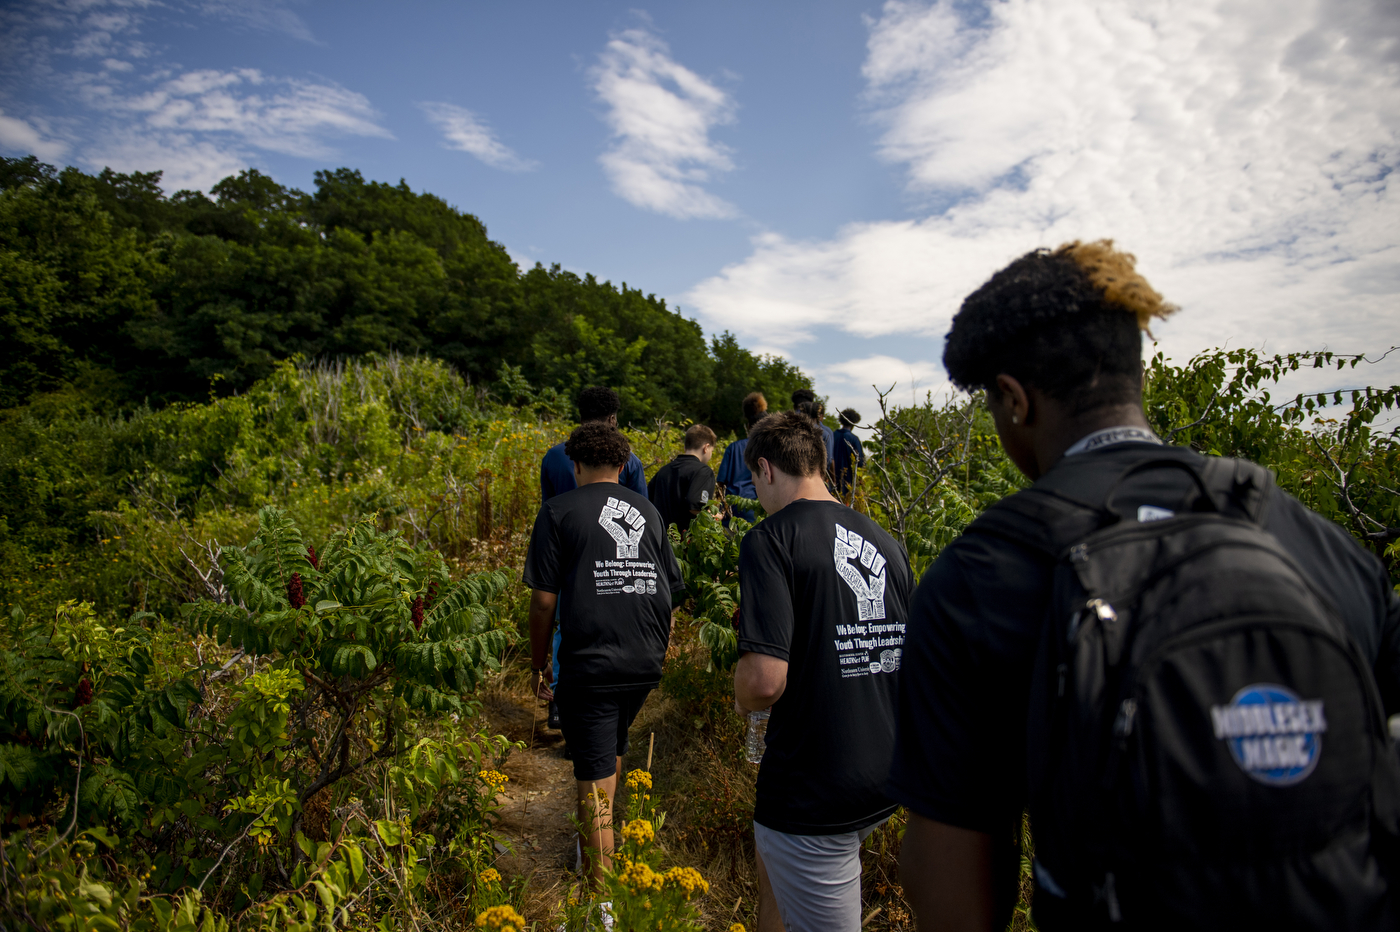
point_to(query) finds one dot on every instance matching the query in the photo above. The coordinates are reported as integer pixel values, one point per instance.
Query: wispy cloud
(661, 114)
(1242, 149)
(464, 130)
(19, 138)
(135, 112)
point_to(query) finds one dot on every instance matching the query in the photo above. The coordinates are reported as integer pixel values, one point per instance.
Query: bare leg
(769, 919)
(599, 820)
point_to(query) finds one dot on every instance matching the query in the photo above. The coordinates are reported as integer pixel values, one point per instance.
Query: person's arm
(946, 873)
(759, 681)
(634, 477)
(541, 627)
(702, 486)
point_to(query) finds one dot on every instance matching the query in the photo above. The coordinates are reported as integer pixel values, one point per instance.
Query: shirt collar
(1112, 436)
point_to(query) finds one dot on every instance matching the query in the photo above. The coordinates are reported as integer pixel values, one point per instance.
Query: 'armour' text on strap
(1112, 436)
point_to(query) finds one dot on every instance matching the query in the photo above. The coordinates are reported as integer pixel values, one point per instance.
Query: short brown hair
(755, 406)
(597, 445)
(697, 435)
(788, 440)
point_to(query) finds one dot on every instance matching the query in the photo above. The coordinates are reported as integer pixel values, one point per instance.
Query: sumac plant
(359, 630)
(708, 555)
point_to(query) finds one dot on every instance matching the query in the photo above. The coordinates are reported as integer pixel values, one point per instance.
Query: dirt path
(536, 803)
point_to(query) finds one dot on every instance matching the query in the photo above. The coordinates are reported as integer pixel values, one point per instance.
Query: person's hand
(544, 683)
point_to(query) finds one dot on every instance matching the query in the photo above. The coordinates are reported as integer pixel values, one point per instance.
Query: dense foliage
(106, 282)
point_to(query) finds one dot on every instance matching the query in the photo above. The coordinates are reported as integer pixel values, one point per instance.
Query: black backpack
(1206, 745)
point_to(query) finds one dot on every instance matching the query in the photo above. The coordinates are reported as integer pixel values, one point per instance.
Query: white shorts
(815, 878)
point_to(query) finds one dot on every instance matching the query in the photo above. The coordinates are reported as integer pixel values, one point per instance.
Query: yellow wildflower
(737, 927)
(501, 919)
(688, 880)
(639, 831)
(494, 779)
(490, 875)
(640, 878)
(638, 778)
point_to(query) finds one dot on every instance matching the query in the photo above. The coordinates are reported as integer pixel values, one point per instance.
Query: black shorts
(595, 726)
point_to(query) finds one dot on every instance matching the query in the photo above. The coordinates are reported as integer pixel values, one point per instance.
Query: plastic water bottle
(757, 741)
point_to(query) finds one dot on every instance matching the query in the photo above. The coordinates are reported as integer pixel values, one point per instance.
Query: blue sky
(827, 179)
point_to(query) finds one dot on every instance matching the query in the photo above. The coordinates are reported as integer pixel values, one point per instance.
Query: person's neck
(590, 476)
(789, 489)
(1061, 433)
(694, 453)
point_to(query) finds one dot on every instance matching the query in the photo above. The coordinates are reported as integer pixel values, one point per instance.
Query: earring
(1015, 419)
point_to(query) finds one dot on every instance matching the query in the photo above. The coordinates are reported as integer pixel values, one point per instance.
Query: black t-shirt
(681, 486)
(976, 618)
(603, 549)
(827, 590)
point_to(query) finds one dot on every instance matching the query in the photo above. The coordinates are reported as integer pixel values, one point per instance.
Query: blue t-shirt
(734, 473)
(849, 455)
(557, 474)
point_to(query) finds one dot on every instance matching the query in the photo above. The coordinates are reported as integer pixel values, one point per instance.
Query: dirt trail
(535, 804)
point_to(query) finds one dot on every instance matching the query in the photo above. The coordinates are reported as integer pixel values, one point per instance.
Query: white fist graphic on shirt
(628, 534)
(870, 593)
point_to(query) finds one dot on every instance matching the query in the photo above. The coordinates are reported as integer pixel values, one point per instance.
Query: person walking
(734, 474)
(850, 455)
(681, 489)
(601, 562)
(805, 396)
(596, 405)
(820, 634)
(1182, 672)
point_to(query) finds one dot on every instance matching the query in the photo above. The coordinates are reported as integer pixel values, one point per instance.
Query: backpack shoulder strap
(1239, 487)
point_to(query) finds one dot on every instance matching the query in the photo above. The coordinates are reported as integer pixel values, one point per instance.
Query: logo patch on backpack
(1273, 735)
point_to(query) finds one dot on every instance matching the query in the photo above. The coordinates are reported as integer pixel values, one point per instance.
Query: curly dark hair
(789, 440)
(1066, 322)
(597, 404)
(802, 394)
(755, 406)
(849, 418)
(597, 445)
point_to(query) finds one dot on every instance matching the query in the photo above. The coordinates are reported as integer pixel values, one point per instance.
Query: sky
(826, 179)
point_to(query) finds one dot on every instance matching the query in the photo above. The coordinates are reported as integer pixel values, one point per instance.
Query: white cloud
(661, 114)
(466, 132)
(1240, 148)
(199, 126)
(267, 15)
(186, 162)
(19, 137)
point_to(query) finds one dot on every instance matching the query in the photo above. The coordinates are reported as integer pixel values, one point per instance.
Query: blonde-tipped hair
(1115, 274)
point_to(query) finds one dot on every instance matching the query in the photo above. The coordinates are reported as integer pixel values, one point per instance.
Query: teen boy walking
(821, 632)
(599, 553)
(850, 455)
(681, 489)
(597, 405)
(734, 473)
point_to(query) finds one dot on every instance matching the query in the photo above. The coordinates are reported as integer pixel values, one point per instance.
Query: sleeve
(766, 615)
(634, 476)
(968, 654)
(859, 450)
(542, 560)
(702, 486)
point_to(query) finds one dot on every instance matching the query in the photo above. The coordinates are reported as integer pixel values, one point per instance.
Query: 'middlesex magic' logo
(1273, 735)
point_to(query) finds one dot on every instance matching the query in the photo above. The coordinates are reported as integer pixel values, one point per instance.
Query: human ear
(1015, 401)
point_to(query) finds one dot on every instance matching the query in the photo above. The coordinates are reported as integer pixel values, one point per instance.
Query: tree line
(108, 284)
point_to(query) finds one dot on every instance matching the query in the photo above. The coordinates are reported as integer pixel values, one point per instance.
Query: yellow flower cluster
(638, 778)
(490, 875)
(688, 879)
(639, 831)
(640, 878)
(494, 779)
(501, 919)
(737, 927)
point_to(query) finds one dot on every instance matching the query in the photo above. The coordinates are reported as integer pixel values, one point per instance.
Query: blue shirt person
(734, 473)
(850, 455)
